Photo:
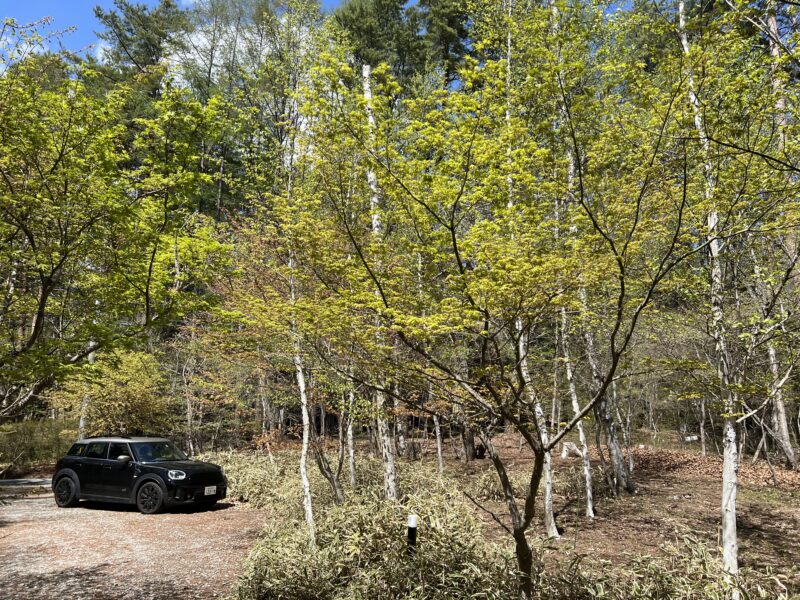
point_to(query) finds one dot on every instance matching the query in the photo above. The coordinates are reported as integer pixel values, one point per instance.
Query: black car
(149, 472)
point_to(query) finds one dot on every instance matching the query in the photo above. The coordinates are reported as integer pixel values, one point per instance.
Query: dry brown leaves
(688, 464)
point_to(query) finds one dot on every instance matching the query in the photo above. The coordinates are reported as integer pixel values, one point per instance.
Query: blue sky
(73, 13)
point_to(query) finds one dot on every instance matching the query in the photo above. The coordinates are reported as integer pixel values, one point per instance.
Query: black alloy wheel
(65, 492)
(150, 498)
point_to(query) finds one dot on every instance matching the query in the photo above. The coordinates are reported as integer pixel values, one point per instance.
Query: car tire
(150, 498)
(66, 492)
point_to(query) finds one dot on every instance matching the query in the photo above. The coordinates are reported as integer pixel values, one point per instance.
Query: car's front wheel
(66, 492)
(150, 498)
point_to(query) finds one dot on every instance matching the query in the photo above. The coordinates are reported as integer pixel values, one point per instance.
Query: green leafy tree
(127, 391)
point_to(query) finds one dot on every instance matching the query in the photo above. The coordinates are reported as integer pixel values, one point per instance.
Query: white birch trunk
(301, 384)
(576, 409)
(703, 426)
(780, 424)
(400, 422)
(351, 451)
(439, 454)
(549, 518)
(85, 402)
(730, 465)
(384, 435)
(385, 446)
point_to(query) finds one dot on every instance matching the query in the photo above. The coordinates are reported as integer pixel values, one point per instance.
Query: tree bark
(385, 447)
(82, 422)
(576, 409)
(301, 384)
(549, 518)
(730, 465)
(383, 433)
(351, 452)
(439, 454)
(780, 424)
(621, 478)
(400, 427)
(703, 426)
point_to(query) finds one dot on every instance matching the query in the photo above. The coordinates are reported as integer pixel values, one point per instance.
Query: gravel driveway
(104, 551)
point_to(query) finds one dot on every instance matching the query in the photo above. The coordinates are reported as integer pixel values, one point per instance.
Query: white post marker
(412, 534)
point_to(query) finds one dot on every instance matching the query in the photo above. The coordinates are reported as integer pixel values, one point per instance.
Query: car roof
(121, 439)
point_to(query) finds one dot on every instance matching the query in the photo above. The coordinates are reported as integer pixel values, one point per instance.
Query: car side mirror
(124, 458)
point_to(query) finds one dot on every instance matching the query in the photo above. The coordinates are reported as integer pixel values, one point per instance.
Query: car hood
(188, 466)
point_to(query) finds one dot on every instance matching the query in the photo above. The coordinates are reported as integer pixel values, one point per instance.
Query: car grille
(205, 478)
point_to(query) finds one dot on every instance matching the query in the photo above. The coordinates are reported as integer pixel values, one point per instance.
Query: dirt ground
(104, 551)
(678, 494)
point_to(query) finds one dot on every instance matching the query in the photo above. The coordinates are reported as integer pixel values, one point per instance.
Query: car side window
(96, 450)
(116, 449)
(76, 450)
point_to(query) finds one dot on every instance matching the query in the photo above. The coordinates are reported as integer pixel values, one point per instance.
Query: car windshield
(158, 451)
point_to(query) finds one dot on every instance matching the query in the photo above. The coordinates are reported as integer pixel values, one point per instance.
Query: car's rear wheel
(66, 492)
(150, 498)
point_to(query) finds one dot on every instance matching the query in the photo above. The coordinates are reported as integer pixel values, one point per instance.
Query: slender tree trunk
(467, 442)
(385, 447)
(351, 451)
(520, 520)
(383, 433)
(328, 473)
(761, 442)
(82, 421)
(304, 412)
(549, 518)
(190, 423)
(624, 427)
(730, 465)
(400, 427)
(576, 409)
(439, 454)
(621, 478)
(780, 424)
(703, 425)
(301, 384)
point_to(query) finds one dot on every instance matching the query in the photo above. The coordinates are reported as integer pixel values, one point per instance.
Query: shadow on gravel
(130, 508)
(93, 583)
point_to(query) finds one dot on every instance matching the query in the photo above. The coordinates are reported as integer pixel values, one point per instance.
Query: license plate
(211, 490)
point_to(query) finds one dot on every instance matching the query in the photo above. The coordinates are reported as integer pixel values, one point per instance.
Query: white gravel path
(99, 551)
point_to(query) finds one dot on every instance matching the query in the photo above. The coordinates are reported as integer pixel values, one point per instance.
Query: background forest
(252, 224)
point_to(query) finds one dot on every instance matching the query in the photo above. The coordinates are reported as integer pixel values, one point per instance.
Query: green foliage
(362, 554)
(30, 443)
(122, 393)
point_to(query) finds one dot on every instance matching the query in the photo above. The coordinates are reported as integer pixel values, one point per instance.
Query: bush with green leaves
(360, 551)
(24, 444)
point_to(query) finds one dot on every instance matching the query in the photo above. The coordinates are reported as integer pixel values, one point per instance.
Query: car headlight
(175, 474)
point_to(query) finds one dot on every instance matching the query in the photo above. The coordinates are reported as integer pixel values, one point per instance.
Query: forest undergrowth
(653, 545)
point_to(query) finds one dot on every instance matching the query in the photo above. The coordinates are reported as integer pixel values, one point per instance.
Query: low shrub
(25, 444)
(360, 551)
(688, 571)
